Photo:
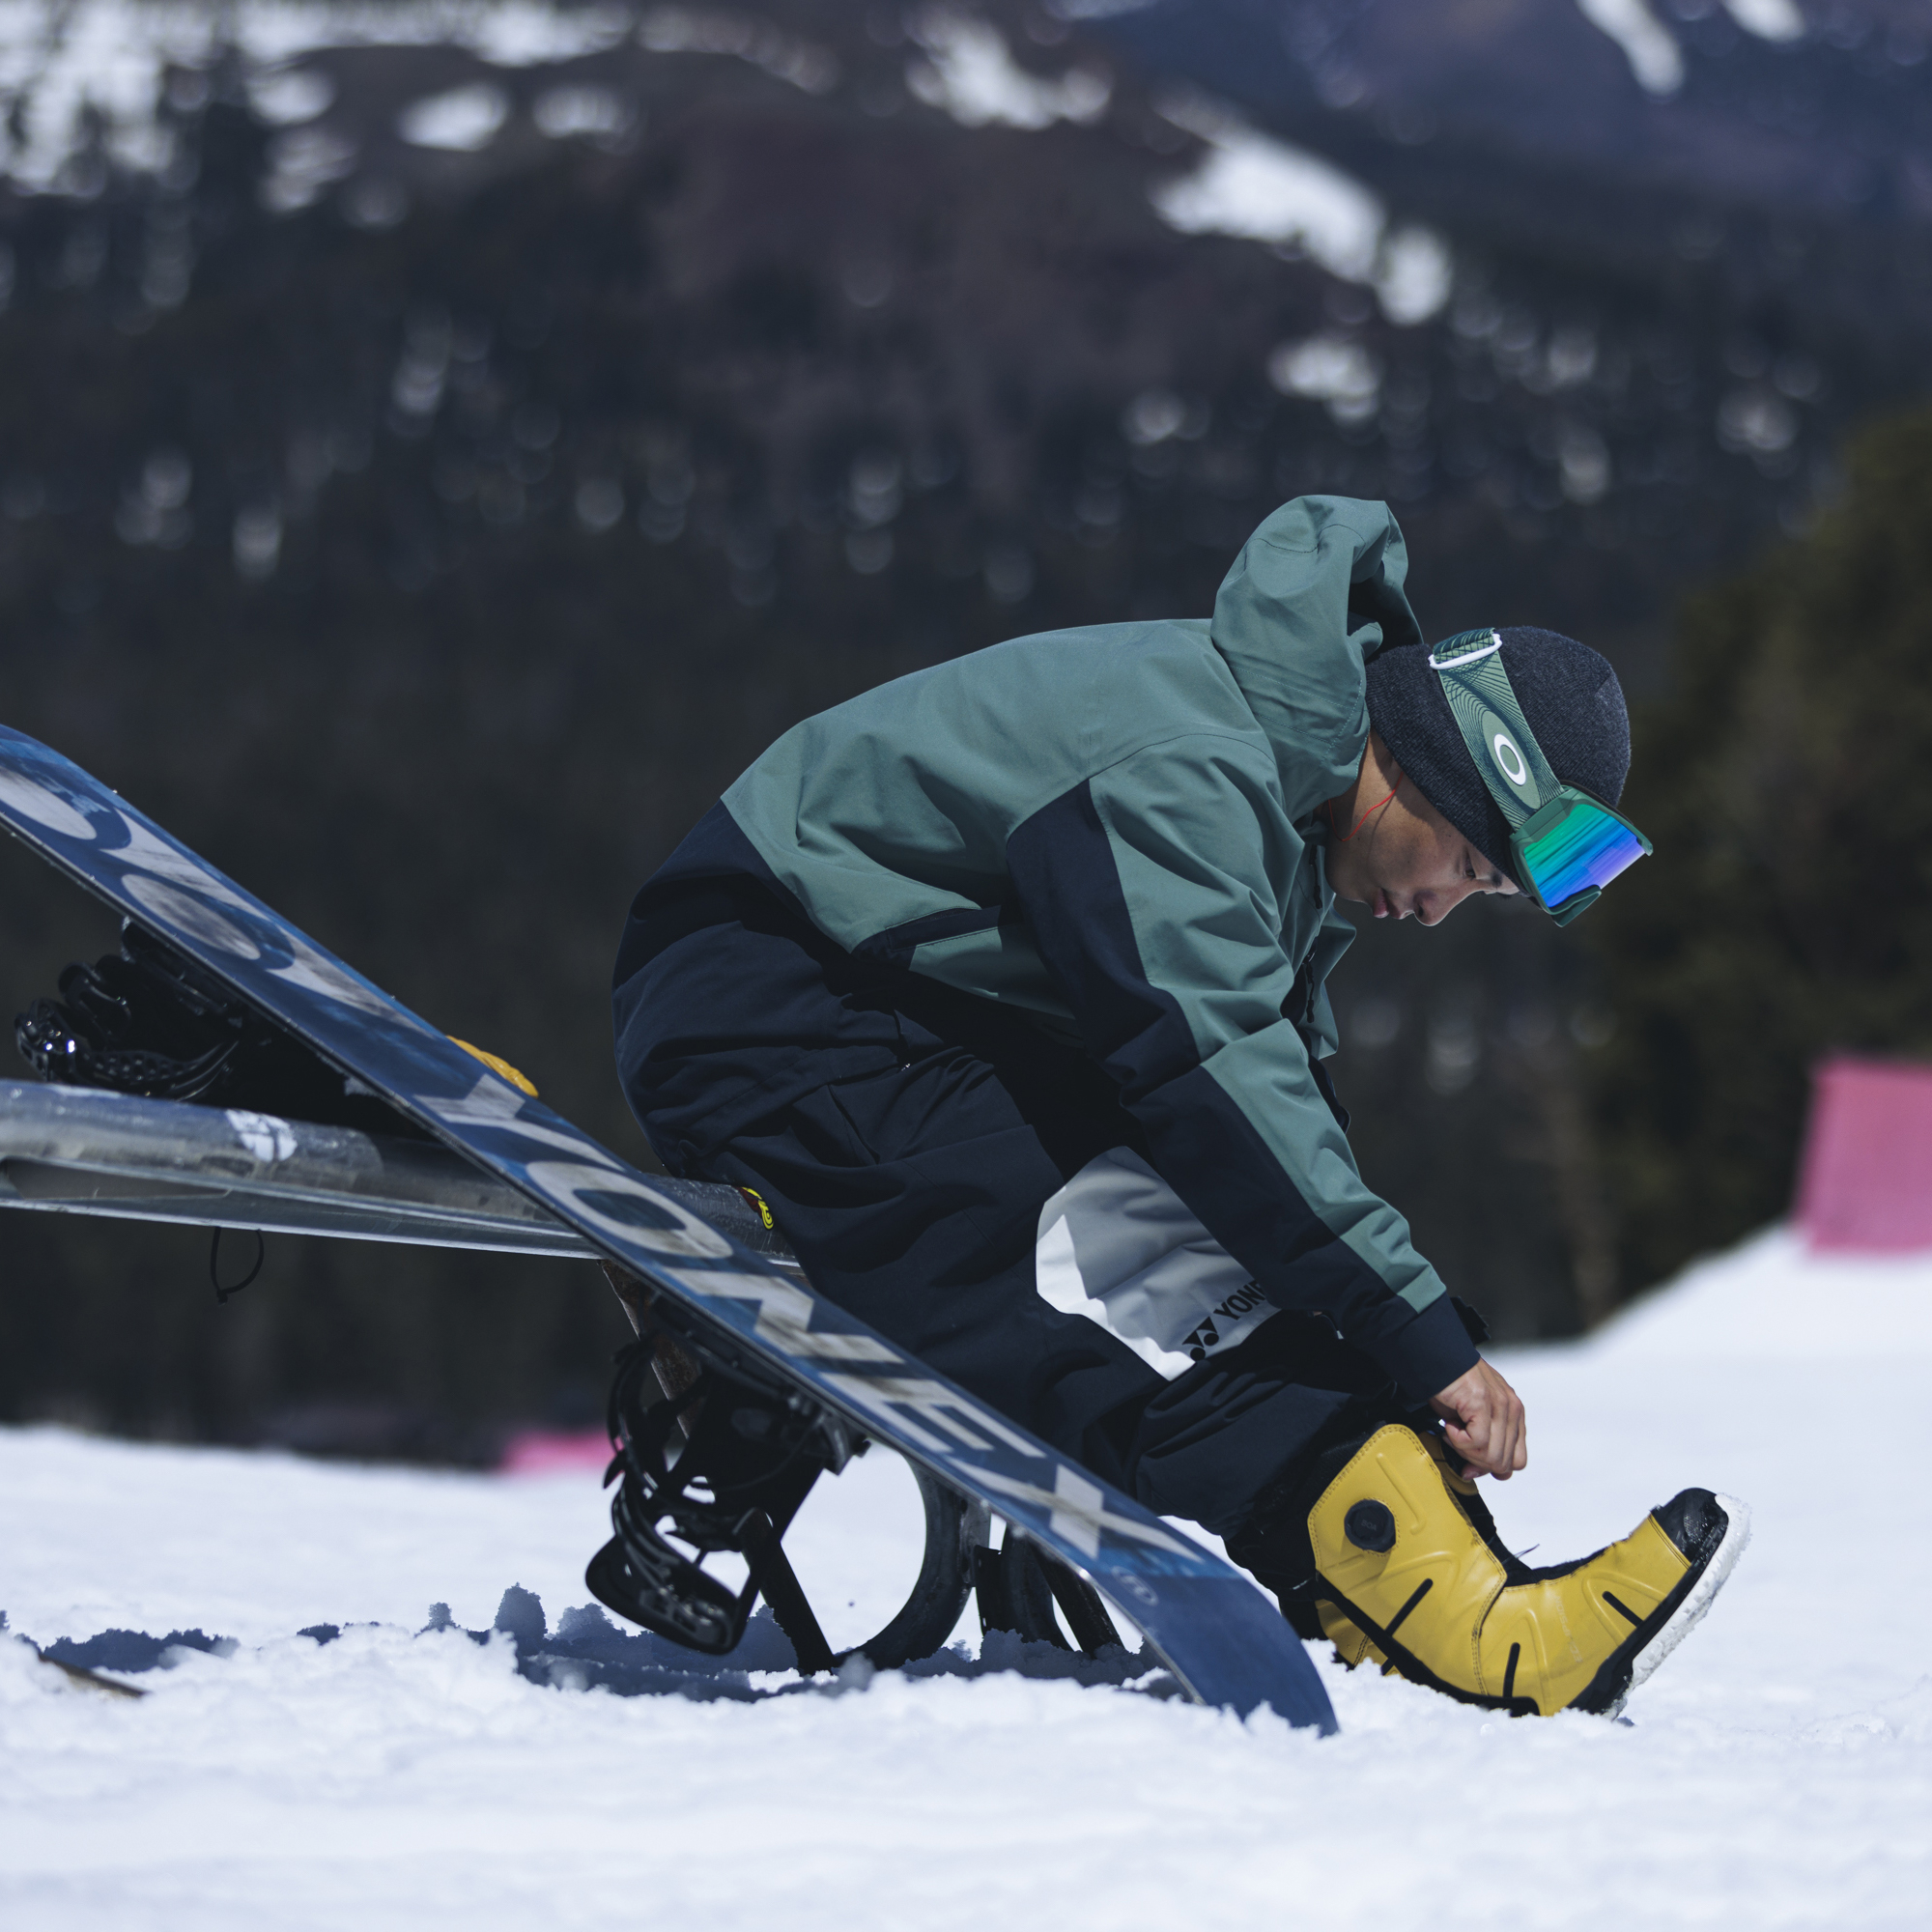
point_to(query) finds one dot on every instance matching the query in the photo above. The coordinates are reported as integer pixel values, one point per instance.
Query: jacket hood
(1316, 592)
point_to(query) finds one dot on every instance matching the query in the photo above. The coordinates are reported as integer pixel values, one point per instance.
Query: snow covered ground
(1776, 1772)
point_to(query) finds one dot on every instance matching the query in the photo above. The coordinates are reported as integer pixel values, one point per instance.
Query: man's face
(1407, 861)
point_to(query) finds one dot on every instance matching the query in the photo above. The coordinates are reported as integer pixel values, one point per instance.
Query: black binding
(721, 1463)
(1018, 1586)
(146, 1020)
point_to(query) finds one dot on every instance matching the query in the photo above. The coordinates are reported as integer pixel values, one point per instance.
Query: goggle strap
(1500, 743)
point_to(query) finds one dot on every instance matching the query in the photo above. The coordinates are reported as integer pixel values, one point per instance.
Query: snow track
(1776, 1772)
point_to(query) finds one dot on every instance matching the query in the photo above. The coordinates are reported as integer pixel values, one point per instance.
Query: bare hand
(1486, 1423)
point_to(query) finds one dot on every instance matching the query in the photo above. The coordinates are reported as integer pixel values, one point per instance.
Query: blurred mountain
(1779, 155)
(1817, 109)
(444, 440)
(1590, 290)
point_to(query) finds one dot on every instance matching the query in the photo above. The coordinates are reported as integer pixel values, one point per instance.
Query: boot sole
(1690, 1614)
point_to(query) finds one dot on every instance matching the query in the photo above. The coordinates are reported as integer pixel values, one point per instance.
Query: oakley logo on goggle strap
(1509, 759)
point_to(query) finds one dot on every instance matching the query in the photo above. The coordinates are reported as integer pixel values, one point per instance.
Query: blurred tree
(1786, 911)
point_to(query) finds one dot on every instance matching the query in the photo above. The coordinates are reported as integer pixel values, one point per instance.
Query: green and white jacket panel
(1116, 831)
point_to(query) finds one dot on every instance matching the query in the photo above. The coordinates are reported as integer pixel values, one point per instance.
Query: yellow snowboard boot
(1411, 1577)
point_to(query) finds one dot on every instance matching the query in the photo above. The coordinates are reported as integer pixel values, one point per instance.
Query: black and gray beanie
(1570, 698)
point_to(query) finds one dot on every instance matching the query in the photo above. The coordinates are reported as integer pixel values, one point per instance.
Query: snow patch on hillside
(1650, 47)
(1655, 59)
(1258, 188)
(969, 72)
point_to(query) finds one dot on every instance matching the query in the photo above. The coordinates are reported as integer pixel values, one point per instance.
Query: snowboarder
(1005, 987)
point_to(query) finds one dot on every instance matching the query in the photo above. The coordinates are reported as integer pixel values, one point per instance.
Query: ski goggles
(1566, 845)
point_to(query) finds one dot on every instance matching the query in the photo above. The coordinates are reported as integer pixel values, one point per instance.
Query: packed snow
(319, 1747)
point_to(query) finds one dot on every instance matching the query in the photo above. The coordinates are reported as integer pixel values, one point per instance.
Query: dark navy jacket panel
(1198, 1139)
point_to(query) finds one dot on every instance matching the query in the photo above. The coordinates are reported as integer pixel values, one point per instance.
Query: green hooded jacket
(1118, 831)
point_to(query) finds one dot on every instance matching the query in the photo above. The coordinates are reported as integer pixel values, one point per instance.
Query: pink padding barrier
(1865, 1183)
(548, 1452)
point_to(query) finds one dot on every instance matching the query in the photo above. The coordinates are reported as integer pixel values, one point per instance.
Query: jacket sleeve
(1147, 890)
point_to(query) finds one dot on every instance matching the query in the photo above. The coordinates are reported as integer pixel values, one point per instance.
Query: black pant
(905, 1138)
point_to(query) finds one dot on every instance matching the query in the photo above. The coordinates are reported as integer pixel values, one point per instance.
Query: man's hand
(1486, 1424)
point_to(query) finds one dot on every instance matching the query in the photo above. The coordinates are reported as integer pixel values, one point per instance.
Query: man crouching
(1005, 987)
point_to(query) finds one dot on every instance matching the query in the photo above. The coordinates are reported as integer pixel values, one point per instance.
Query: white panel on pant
(1116, 1245)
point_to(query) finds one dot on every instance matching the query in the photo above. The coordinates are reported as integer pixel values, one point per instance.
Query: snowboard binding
(148, 1021)
(714, 1450)
(715, 1454)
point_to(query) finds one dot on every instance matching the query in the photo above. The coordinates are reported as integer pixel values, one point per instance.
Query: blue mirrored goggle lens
(1589, 848)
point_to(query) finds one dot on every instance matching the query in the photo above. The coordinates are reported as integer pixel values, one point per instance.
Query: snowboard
(1223, 1640)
